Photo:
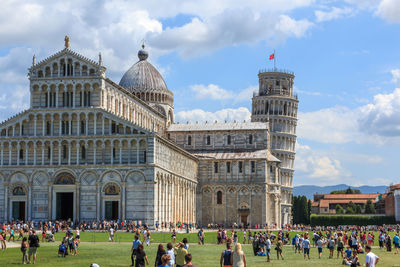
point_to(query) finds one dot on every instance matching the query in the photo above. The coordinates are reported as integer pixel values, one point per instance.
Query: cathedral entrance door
(18, 210)
(65, 205)
(111, 212)
(243, 219)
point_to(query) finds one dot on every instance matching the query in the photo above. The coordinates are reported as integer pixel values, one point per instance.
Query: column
(69, 124)
(56, 97)
(78, 197)
(51, 153)
(102, 125)
(112, 150)
(120, 152)
(137, 152)
(59, 153)
(26, 153)
(123, 200)
(78, 124)
(42, 154)
(77, 153)
(95, 124)
(5, 201)
(43, 125)
(52, 126)
(110, 131)
(73, 96)
(34, 153)
(20, 127)
(60, 124)
(18, 149)
(9, 153)
(87, 124)
(94, 152)
(98, 184)
(13, 130)
(34, 126)
(2, 153)
(69, 153)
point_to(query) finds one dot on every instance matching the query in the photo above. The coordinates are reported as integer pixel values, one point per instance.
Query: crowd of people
(344, 242)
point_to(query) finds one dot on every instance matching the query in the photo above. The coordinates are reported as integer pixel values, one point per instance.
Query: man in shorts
(396, 242)
(371, 260)
(33, 245)
(268, 248)
(306, 246)
(135, 245)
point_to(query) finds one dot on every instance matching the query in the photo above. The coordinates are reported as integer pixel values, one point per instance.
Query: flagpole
(274, 61)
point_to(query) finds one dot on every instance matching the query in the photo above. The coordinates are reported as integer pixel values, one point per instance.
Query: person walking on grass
(371, 260)
(320, 243)
(238, 258)
(160, 253)
(226, 260)
(331, 247)
(278, 248)
(396, 242)
(306, 247)
(24, 248)
(340, 247)
(135, 245)
(33, 245)
(141, 257)
(268, 248)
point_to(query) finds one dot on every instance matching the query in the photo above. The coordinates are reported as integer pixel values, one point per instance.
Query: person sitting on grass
(261, 252)
(353, 260)
(61, 250)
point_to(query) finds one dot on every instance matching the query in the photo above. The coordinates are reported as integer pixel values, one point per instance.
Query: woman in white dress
(238, 258)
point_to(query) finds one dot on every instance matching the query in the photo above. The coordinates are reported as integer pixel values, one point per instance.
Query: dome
(144, 80)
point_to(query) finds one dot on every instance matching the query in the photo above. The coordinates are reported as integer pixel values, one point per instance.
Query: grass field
(118, 254)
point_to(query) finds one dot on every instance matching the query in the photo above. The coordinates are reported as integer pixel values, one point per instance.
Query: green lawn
(118, 254)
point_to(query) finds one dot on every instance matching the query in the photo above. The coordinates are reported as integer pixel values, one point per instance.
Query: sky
(345, 56)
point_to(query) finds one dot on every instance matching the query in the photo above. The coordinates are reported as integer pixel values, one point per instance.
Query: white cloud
(389, 10)
(395, 76)
(211, 91)
(334, 13)
(215, 92)
(199, 115)
(318, 166)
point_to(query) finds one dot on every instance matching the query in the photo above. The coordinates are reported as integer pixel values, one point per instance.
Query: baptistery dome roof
(143, 77)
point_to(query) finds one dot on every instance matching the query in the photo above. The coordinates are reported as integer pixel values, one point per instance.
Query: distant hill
(310, 190)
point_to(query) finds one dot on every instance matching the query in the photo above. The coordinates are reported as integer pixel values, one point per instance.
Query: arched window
(189, 140)
(219, 197)
(250, 139)
(208, 140)
(229, 139)
(83, 152)
(19, 191)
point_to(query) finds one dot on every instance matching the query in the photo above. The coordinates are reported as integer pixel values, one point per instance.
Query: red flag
(272, 56)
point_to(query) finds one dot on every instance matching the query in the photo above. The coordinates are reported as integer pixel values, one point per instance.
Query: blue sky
(345, 56)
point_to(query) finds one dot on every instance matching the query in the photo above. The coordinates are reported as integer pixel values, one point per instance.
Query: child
(75, 246)
(61, 250)
(24, 246)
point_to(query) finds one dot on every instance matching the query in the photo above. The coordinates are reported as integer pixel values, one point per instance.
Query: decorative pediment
(66, 63)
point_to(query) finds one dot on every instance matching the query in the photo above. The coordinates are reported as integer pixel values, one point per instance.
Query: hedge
(335, 220)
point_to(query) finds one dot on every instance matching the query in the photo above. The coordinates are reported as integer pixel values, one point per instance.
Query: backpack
(61, 248)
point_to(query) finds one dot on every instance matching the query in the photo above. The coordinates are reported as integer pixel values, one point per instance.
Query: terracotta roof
(351, 196)
(395, 186)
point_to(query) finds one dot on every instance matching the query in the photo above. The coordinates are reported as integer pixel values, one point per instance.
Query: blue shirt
(136, 243)
(348, 253)
(396, 239)
(306, 243)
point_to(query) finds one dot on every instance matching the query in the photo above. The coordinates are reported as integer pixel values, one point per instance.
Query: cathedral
(89, 148)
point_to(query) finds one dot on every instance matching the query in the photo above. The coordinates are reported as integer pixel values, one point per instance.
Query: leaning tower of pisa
(276, 104)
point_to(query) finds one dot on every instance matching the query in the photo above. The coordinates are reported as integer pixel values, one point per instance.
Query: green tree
(349, 210)
(369, 207)
(347, 191)
(309, 211)
(339, 209)
(358, 209)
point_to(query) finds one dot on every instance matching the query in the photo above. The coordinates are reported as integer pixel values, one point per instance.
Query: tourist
(201, 236)
(173, 236)
(219, 237)
(147, 237)
(268, 248)
(320, 243)
(340, 247)
(396, 243)
(371, 260)
(261, 253)
(226, 260)
(111, 238)
(141, 257)
(381, 240)
(33, 245)
(188, 260)
(61, 250)
(186, 244)
(331, 247)
(235, 238)
(388, 243)
(164, 261)
(238, 258)
(135, 245)
(244, 237)
(352, 260)
(306, 247)
(3, 241)
(171, 254)
(24, 247)
(297, 244)
(160, 253)
(180, 253)
(77, 236)
(278, 248)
